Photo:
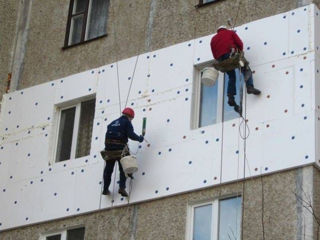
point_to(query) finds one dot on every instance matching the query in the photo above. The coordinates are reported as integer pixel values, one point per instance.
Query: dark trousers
(108, 170)
(232, 78)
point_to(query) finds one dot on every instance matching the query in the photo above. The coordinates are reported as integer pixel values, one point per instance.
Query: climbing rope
(132, 78)
(238, 10)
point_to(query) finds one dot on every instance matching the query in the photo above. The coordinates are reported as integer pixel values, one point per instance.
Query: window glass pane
(228, 111)
(55, 237)
(79, 6)
(230, 218)
(75, 234)
(208, 105)
(65, 134)
(76, 29)
(85, 128)
(202, 222)
(98, 18)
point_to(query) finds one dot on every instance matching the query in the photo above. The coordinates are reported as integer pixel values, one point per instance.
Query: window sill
(200, 5)
(84, 42)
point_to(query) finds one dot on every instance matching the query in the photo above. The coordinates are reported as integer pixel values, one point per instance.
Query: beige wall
(166, 218)
(134, 26)
(8, 18)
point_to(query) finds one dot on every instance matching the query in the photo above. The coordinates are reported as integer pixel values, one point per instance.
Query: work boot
(130, 176)
(106, 192)
(238, 109)
(252, 90)
(123, 192)
(231, 101)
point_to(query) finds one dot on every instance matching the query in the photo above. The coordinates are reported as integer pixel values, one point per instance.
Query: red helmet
(128, 111)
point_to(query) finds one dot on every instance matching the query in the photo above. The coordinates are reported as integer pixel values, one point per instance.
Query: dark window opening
(75, 234)
(55, 237)
(75, 131)
(85, 128)
(87, 20)
(65, 134)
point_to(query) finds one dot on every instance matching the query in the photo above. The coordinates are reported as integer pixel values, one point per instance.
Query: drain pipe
(20, 44)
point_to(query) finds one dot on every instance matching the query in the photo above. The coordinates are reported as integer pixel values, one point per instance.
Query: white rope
(132, 78)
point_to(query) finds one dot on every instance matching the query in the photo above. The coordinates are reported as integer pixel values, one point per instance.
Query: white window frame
(196, 95)
(215, 216)
(53, 146)
(75, 130)
(63, 233)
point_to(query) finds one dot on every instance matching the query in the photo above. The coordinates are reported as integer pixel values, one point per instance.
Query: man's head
(128, 112)
(222, 27)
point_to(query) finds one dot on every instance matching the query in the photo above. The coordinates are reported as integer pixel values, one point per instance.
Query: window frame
(74, 133)
(63, 233)
(56, 128)
(202, 4)
(196, 96)
(215, 215)
(69, 25)
(85, 30)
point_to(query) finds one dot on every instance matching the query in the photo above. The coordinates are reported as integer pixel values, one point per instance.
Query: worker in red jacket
(222, 44)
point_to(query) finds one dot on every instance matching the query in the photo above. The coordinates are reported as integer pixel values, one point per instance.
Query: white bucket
(209, 76)
(129, 164)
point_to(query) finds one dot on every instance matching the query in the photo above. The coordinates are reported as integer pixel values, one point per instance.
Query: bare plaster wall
(8, 18)
(134, 27)
(316, 203)
(166, 218)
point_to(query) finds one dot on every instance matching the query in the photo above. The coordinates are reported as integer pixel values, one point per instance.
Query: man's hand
(141, 138)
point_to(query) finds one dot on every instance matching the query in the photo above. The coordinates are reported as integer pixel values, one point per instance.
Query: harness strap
(231, 63)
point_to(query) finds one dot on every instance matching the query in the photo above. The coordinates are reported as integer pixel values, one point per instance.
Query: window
(203, 2)
(75, 130)
(210, 103)
(71, 234)
(87, 20)
(216, 220)
(206, 101)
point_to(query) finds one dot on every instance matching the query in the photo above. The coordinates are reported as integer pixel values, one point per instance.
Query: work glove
(141, 138)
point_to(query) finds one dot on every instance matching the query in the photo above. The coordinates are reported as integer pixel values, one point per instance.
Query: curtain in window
(98, 18)
(85, 128)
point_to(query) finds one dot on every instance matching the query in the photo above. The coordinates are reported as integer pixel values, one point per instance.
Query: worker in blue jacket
(116, 147)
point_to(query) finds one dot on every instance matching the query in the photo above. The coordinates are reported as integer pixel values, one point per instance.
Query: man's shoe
(238, 109)
(106, 192)
(252, 90)
(123, 192)
(231, 101)
(130, 176)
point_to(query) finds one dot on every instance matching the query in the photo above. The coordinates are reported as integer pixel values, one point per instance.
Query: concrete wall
(8, 18)
(316, 204)
(166, 218)
(134, 27)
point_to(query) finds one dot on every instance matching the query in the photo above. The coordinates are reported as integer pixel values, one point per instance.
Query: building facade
(205, 173)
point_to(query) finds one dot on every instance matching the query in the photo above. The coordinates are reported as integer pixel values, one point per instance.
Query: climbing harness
(235, 60)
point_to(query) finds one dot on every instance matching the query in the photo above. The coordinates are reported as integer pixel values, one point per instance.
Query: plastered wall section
(176, 158)
(141, 26)
(168, 218)
(8, 13)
